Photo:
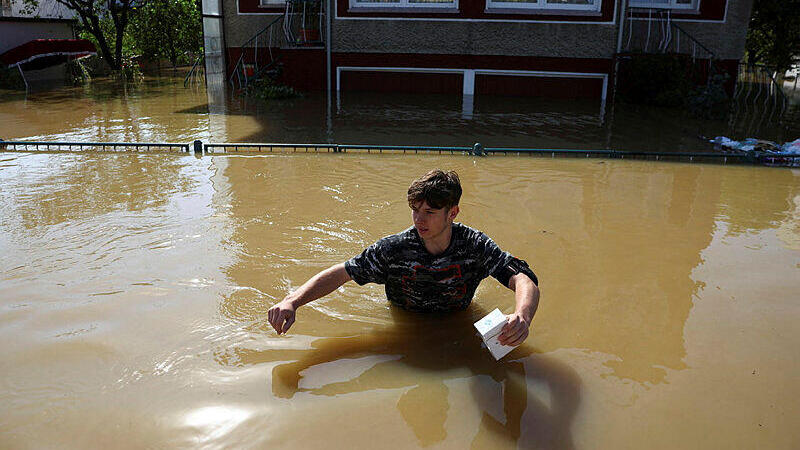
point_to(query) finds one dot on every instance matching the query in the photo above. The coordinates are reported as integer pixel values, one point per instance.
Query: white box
(489, 328)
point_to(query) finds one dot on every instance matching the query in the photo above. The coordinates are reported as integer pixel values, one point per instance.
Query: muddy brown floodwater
(134, 291)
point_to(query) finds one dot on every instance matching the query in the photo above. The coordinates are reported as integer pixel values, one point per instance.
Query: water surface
(161, 109)
(134, 291)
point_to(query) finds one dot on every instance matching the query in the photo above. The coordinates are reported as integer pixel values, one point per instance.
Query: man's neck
(439, 244)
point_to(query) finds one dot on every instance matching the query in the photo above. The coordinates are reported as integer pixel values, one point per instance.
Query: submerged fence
(117, 147)
(198, 148)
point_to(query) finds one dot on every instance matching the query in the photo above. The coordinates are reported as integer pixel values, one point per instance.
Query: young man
(435, 265)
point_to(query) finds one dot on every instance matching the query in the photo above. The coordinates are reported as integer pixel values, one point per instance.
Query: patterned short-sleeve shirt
(419, 281)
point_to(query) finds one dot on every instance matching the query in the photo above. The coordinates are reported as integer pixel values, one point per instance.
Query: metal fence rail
(233, 148)
(757, 158)
(199, 148)
(118, 147)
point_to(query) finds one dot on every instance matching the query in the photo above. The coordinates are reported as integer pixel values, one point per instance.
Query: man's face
(431, 222)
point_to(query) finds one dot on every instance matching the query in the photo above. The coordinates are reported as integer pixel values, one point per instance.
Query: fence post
(198, 147)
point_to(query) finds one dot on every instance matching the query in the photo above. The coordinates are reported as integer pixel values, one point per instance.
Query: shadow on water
(428, 350)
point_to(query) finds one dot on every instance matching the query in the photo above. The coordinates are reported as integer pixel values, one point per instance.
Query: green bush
(11, 79)
(130, 70)
(671, 80)
(653, 79)
(77, 73)
(710, 101)
(267, 89)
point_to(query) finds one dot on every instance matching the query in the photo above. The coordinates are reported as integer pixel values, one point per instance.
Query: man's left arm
(526, 294)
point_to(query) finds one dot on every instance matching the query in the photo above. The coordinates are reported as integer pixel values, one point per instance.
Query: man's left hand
(515, 330)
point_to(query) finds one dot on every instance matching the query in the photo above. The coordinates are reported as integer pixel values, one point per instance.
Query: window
(580, 5)
(449, 4)
(665, 4)
(272, 2)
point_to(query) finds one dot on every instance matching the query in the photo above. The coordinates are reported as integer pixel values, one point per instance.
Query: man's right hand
(281, 316)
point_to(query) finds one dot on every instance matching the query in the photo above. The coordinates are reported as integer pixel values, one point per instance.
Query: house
(553, 48)
(19, 26)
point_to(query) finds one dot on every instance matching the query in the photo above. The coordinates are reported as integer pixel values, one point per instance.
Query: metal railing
(657, 33)
(112, 147)
(752, 158)
(222, 149)
(304, 22)
(758, 99)
(256, 56)
(194, 72)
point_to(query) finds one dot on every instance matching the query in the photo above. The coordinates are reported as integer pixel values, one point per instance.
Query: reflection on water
(161, 109)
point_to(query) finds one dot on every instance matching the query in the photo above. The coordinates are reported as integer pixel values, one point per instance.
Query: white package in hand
(489, 328)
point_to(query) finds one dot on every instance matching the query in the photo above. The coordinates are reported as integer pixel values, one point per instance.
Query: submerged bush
(10, 78)
(77, 73)
(130, 71)
(670, 80)
(710, 101)
(654, 79)
(267, 89)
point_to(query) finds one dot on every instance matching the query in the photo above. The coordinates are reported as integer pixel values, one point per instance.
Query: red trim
(709, 10)
(421, 83)
(548, 87)
(452, 83)
(254, 7)
(476, 9)
(304, 69)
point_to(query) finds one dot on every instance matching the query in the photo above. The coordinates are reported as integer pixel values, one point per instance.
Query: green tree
(773, 38)
(167, 29)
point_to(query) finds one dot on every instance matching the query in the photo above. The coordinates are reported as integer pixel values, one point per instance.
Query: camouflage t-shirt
(419, 281)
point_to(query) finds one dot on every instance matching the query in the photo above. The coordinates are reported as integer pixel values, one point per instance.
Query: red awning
(41, 53)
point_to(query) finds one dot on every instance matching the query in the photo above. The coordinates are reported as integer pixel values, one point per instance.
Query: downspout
(623, 7)
(328, 69)
(328, 20)
(608, 121)
(620, 33)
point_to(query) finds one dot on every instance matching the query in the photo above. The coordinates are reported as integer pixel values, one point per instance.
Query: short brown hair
(439, 189)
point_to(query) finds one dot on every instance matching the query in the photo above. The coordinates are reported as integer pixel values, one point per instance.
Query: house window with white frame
(447, 4)
(521, 5)
(665, 4)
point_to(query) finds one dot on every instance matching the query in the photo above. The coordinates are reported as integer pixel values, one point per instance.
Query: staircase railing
(657, 33)
(304, 22)
(194, 72)
(758, 99)
(260, 48)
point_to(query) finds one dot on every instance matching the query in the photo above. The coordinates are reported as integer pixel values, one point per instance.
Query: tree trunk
(105, 50)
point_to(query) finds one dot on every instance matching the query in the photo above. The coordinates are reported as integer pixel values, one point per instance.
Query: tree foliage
(106, 21)
(167, 29)
(773, 38)
(124, 29)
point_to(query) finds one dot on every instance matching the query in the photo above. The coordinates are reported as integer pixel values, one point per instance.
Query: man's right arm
(281, 316)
